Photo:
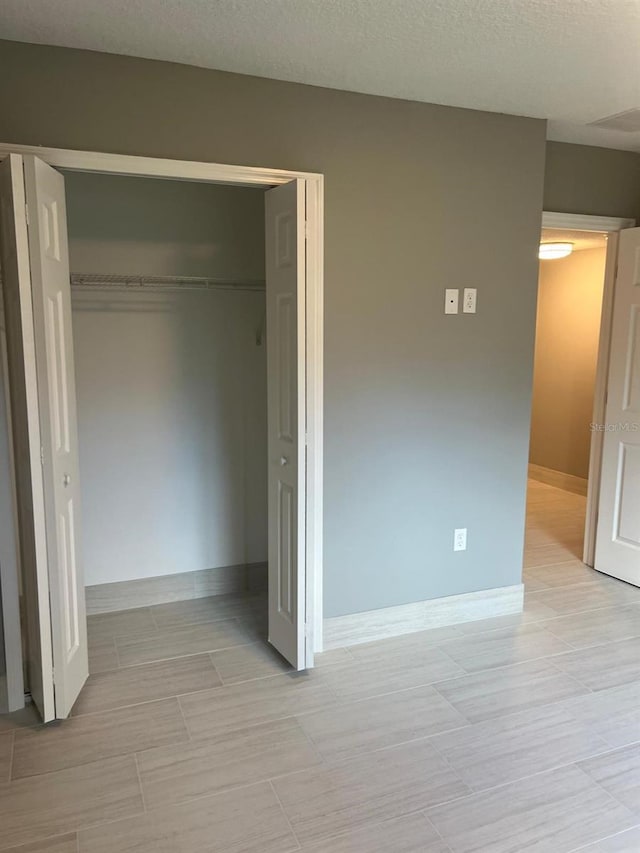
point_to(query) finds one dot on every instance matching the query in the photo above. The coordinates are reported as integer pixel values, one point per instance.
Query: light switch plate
(451, 301)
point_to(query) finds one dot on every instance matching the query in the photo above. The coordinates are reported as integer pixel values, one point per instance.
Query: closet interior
(168, 298)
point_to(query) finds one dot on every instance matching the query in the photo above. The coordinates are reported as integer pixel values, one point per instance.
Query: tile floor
(500, 736)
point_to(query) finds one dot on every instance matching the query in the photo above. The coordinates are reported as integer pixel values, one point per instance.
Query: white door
(286, 384)
(618, 530)
(51, 290)
(23, 386)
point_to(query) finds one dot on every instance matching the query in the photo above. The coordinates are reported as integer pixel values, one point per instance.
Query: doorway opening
(192, 295)
(570, 291)
(168, 301)
(578, 260)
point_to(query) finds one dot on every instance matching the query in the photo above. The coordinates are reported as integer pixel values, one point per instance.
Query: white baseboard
(568, 482)
(357, 628)
(143, 592)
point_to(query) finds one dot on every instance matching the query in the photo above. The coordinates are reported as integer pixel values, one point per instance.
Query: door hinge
(26, 214)
(306, 229)
(41, 455)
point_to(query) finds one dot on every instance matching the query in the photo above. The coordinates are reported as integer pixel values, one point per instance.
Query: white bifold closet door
(38, 297)
(286, 393)
(618, 531)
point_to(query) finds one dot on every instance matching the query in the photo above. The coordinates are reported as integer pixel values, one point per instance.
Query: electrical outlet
(460, 539)
(469, 300)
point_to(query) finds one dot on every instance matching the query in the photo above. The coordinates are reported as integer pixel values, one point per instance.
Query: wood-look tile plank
(596, 627)
(103, 655)
(348, 796)
(146, 683)
(81, 740)
(178, 614)
(246, 663)
(618, 772)
(245, 820)
(531, 583)
(549, 555)
(103, 626)
(605, 666)
(553, 812)
(613, 714)
(624, 842)
(6, 750)
(557, 525)
(60, 844)
(586, 596)
(261, 660)
(237, 706)
(405, 644)
(503, 647)
(175, 774)
(496, 692)
(333, 658)
(57, 803)
(255, 625)
(377, 669)
(560, 574)
(180, 642)
(24, 718)
(510, 748)
(360, 727)
(495, 623)
(411, 834)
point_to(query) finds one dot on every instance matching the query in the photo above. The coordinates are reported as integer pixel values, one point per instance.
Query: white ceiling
(571, 61)
(580, 239)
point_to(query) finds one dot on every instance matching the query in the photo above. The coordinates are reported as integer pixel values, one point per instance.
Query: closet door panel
(51, 288)
(23, 385)
(286, 325)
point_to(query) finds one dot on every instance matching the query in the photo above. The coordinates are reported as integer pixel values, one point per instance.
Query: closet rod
(96, 281)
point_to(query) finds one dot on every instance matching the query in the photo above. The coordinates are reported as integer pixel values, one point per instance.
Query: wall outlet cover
(460, 539)
(469, 297)
(451, 300)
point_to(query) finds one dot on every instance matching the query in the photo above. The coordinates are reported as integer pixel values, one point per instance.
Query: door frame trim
(10, 568)
(611, 225)
(250, 176)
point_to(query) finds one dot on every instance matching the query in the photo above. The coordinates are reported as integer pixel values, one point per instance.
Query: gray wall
(144, 226)
(427, 416)
(597, 181)
(172, 386)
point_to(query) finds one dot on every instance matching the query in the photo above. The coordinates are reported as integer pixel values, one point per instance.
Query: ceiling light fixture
(553, 251)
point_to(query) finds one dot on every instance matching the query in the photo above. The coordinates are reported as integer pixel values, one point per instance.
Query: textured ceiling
(580, 239)
(571, 61)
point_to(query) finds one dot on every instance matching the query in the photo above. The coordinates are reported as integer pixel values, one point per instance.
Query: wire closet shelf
(95, 282)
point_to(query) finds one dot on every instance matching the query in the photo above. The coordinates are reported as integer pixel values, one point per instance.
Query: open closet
(156, 362)
(168, 301)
